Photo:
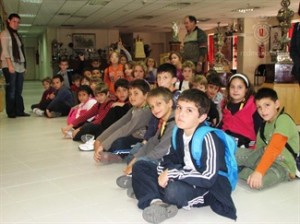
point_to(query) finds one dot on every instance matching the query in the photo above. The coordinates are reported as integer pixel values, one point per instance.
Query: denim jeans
(13, 92)
(248, 159)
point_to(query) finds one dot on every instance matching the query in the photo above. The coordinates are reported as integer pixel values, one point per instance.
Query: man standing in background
(195, 43)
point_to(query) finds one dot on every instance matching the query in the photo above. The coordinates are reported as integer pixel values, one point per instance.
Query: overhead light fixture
(32, 1)
(27, 15)
(25, 25)
(246, 9)
(99, 2)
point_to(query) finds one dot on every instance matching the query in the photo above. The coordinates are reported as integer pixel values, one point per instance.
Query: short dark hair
(63, 60)
(192, 19)
(76, 77)
(13, 15)
(124, 83)
(167, 67)
(85, 88)
(140, 84)
(198, 97)
(60, 77)
(266, 93)
(213, 78)
(165, 93)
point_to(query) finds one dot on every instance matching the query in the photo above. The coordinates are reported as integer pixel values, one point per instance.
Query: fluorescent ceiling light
(27, 15)
(245, 9)
(32, 1)
(25, 25)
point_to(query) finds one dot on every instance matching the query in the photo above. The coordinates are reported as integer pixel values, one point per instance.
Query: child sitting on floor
(272, 162)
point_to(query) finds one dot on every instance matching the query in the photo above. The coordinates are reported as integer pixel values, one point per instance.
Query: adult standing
(195, 42)
(13, 67)
(295, 49)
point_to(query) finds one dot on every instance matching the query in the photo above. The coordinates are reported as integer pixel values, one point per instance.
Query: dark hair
(266, 93)
(63, 60)
(121, 83)
(167, 67)
(192, 19)
(177, 53)
(165, 93)
(47, 79)
(213, 78)
(85, 88)
(140, 84)
(246, 81)
(58, 77)
(197, 97)
(13, 15)
(76, 77)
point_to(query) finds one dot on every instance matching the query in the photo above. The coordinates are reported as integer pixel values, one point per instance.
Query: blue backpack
(230, 149)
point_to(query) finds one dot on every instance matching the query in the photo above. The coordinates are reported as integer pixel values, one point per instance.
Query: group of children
(153, 130)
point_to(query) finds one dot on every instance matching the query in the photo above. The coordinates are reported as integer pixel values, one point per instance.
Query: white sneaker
(88, 146)
(39, 112)
(85, 138)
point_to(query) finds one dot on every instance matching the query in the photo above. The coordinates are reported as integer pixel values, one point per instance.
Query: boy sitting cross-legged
(186, 178)
(130, 129)
(272, 162)
(161, 105)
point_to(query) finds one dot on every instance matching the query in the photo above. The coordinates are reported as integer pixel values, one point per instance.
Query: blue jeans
(13, 92)
(179, 193)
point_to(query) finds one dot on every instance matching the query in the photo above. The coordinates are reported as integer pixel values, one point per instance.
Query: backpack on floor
(230, 149)
(287, 145)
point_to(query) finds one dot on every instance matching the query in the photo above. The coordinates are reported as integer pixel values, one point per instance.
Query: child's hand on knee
(255, 180)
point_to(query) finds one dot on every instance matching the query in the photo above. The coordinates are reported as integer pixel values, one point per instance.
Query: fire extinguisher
(261, 50)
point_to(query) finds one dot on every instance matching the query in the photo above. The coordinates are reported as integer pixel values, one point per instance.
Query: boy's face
(212, 90)
(138, 72)
(77, 82)
(96, 74)
(199, 86)
(101, 97)
(85, 82)
(267, 108)
(237, 90)
(46, 85)
(187, 116)
(159, 107)
(63, 65)
(122, 93)
(57, 84)
(187, 74)
(165, 79)
(137, 98)
(83, 96)
(87, 74)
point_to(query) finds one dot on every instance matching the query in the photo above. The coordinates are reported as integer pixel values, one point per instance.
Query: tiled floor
(45, 179)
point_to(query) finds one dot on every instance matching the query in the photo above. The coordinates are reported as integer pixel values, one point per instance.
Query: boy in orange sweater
(271, 163)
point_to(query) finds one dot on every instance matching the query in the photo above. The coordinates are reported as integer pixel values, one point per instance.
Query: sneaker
(69, 135)
(39, 112)
(88, 146)
(130, 193)
(124, 181)
(159, 212)
(87, 137)
(108, 157)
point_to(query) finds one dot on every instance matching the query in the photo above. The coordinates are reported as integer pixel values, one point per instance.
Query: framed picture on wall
(84, 40)
(275, 37)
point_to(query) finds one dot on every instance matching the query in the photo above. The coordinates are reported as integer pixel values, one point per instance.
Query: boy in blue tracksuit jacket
(178, 181)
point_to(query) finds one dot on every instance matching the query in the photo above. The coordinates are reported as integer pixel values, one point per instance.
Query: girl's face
(150, 62)
(46, 85)
(128, 72)
(122, 94)
(123, 60)
(187, 74)
(237, 90)
(199, 86)
(83, 96)
(114, 58)
(175, 60)
(138, 72)
(137, 98)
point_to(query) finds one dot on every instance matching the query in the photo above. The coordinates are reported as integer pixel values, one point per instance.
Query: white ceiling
(135, 15)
